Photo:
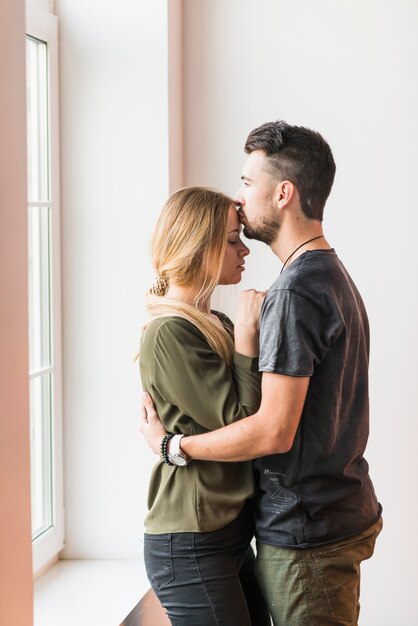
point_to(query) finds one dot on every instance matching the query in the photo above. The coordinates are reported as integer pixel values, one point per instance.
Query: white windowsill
(83, 593)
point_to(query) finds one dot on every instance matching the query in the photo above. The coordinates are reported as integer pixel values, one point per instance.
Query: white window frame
(43, 25)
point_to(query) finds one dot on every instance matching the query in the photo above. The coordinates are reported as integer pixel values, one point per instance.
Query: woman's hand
(247, 324)
(150, 425)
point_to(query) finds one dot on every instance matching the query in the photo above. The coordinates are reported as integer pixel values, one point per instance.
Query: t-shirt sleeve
(190, 375)
(295, 334)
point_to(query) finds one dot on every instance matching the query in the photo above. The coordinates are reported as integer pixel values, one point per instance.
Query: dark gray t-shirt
(314, 324)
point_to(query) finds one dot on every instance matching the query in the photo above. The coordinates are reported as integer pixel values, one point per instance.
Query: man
(317, 516)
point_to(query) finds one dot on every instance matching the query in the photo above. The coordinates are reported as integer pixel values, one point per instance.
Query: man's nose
(238, 198)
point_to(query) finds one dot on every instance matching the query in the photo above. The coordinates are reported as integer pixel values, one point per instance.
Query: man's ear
(284, 193)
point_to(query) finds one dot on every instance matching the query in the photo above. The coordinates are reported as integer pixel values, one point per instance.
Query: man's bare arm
(269, 431)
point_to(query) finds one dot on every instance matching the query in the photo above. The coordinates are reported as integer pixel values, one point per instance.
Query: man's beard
(265, 232)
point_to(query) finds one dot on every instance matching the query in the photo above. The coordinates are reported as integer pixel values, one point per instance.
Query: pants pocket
(158, 560)
(339, 570)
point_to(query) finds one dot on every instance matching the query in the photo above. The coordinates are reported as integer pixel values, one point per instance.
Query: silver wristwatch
(175, 454)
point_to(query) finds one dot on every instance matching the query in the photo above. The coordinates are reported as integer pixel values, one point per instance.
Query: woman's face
(236, 251)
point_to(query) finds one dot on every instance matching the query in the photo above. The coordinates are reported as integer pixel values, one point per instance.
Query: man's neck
(291, 236)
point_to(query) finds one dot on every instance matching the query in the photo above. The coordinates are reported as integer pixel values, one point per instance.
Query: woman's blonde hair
(188, 247)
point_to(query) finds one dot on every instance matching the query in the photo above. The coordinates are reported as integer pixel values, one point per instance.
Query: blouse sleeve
(187, 373)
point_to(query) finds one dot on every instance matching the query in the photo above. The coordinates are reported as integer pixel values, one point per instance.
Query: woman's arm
(179, 369)
(188, 374)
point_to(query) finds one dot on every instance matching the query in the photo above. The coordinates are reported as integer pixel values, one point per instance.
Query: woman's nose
(244, 250)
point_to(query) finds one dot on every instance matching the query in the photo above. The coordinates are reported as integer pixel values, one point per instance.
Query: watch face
(179, 460)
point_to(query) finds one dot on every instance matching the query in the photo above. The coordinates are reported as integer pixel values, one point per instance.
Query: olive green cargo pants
(315, 586)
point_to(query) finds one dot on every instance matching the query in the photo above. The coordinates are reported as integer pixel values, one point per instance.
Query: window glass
(41, 453)
(39, 288)
(41, 371)
(37, 120)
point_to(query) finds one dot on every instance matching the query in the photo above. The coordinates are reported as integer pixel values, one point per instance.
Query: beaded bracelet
(164, 446)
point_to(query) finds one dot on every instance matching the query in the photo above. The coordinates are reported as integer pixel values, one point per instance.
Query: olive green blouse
(195, 391)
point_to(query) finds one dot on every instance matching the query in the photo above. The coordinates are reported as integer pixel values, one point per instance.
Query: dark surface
(148, 612)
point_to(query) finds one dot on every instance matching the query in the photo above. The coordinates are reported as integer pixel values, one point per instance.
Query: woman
(199, 527)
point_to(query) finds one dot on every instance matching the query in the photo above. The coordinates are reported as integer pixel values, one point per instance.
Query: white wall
(347, 69)
(114, 151)
(15, 534)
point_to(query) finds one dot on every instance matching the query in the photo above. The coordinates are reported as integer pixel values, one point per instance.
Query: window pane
(41, 453)
(39, 288)
(40, 295)
(37, 120)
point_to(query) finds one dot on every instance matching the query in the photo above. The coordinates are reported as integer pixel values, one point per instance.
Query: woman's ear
(285, 192)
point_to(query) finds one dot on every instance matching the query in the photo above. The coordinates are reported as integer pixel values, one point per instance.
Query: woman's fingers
(150, 425)
(151, 413)
(249, 306)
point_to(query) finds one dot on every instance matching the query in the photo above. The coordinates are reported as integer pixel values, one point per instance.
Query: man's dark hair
(301, 156)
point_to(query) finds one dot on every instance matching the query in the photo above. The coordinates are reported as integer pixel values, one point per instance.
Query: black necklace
(301, 246)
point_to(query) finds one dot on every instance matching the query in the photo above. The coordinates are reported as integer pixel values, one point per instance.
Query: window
(44, 286)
